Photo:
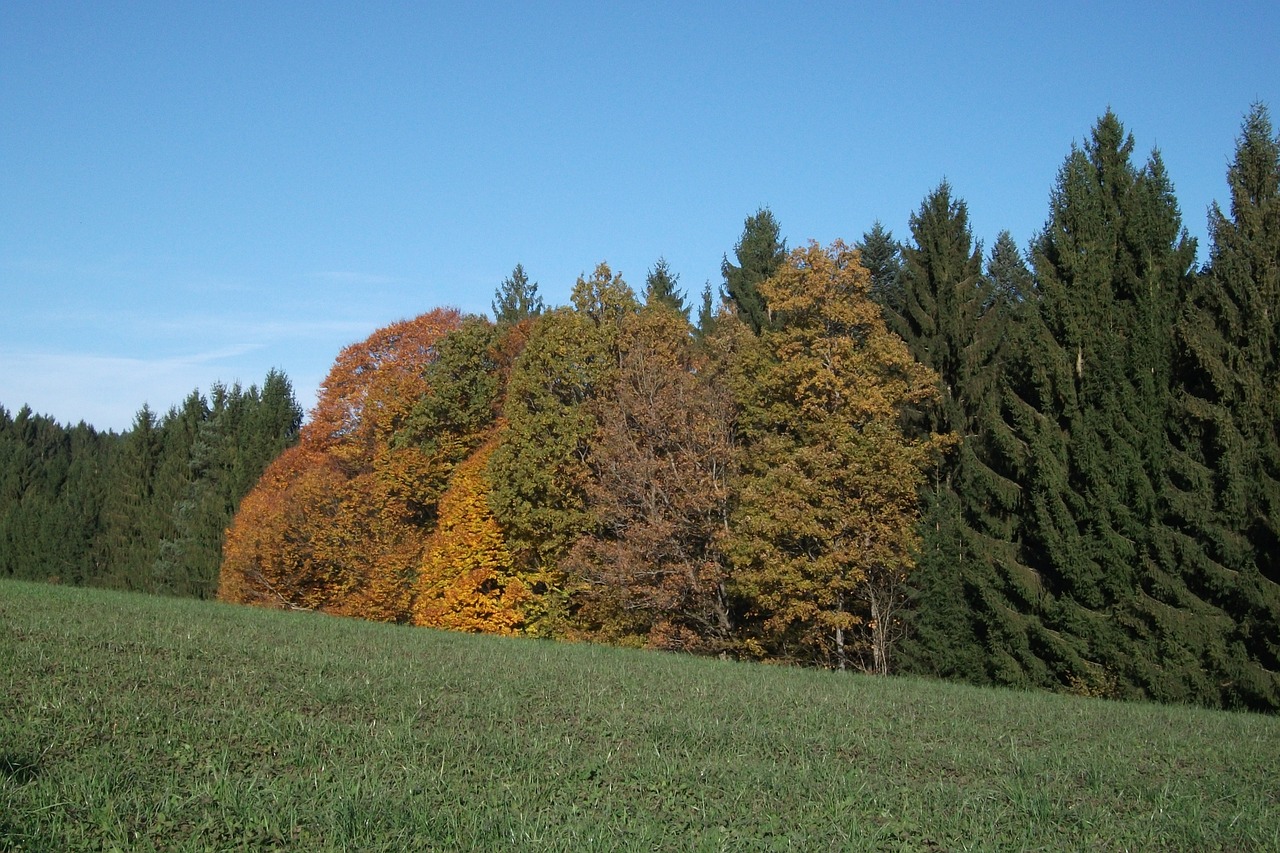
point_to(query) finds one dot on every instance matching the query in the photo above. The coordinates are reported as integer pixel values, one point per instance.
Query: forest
(1053, 468)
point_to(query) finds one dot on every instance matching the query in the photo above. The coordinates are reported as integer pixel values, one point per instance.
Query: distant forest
(1053, 468)
(145, 510)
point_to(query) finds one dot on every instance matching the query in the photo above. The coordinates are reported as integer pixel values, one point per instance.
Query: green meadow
(138, 723)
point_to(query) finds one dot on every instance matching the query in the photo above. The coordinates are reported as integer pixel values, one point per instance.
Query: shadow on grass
(18, 770)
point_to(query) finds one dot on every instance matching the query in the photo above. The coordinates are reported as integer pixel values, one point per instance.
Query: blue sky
(195, 192)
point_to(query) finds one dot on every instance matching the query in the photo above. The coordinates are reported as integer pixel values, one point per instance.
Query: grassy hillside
(142, 723)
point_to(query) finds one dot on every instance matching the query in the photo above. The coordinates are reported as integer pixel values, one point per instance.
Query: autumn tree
(824, 528)
(340, 521)
(539, 467)
(658, 496)
(467, 580)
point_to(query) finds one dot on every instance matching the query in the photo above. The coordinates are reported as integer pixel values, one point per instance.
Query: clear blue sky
(192, 192)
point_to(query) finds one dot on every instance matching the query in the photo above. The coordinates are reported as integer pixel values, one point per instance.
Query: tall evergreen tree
(707, 314)
(660, 288)
(516, 299)
(1109, 265)
(882, 256)
(760, 252)
(1223, 489)
(941, 296)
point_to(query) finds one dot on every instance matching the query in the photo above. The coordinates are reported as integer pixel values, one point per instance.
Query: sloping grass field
(137, 723)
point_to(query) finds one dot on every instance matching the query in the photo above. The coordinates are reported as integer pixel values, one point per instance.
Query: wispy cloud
(108, 390)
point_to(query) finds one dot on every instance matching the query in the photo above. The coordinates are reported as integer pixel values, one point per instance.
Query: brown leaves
(659, 461)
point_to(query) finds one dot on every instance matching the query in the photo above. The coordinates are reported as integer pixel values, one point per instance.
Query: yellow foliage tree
(467, 581)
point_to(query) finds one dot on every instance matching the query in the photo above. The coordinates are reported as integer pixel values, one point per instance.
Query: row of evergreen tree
(143, 510)
(1112, 517)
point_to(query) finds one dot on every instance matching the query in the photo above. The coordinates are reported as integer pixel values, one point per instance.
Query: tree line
(143, 510)
(1052, 467)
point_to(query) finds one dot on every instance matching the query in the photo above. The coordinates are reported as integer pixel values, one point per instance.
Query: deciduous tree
(824, 528)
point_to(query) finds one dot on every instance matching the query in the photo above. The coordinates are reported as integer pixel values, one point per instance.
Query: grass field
(139, 723)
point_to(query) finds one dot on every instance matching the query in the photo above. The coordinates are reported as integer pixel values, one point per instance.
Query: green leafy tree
(760, 253)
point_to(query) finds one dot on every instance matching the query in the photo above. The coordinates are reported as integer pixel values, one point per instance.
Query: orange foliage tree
(339, 522)
(467, 580)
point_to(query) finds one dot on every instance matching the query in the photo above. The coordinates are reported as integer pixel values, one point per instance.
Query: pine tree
(516, 299)
(1223, 489)
(760, 252)
(660, 288)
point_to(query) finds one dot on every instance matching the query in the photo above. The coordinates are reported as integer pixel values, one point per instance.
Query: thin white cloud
(106, 390)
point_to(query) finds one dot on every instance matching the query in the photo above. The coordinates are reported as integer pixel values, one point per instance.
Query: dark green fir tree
(760, 252)
(1223, 488)
(516, 299)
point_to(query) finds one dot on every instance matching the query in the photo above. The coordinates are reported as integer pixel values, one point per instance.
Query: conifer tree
(1223, 489)
(660, 288)
(941, 296)
(760, 253)
(1109, 264)
(882, 256)
(707, 314)
(516, 299)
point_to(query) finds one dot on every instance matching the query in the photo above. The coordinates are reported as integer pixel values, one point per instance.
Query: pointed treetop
(882, 256)
(760, 252)
(516, 299)
(660, 287)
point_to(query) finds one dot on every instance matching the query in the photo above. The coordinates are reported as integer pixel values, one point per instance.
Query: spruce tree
(660, 288)
(940, 294)
(1223, 489)
(882, 256)
(1109, 264)
(760, 253)
(707, 314)
(516, 299)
